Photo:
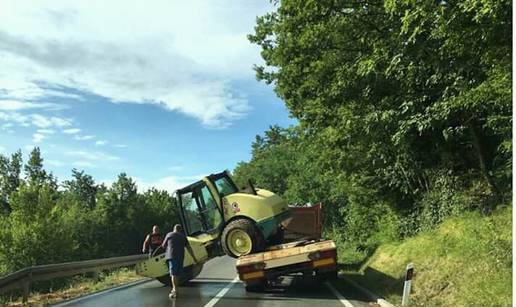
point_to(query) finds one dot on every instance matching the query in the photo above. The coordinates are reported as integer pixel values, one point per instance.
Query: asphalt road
(218, 285)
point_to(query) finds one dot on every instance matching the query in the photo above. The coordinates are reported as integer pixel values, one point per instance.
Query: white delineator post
(408, 282)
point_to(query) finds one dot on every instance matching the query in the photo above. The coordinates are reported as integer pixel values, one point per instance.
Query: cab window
(210, 210)
(225, 186)
(191, 211)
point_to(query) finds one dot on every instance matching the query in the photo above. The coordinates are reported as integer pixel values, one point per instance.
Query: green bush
(465, 261)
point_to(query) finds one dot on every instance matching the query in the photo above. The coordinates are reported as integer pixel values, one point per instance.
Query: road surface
(218, 285)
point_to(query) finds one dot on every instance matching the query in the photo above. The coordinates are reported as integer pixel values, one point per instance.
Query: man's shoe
(172, 294)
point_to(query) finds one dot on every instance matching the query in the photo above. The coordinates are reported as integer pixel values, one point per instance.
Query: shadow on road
(296, 288)
(378, 282)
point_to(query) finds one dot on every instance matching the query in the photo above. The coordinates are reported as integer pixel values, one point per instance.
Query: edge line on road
(379, 300)
(221, 293)
(84, 297)
(339, 296)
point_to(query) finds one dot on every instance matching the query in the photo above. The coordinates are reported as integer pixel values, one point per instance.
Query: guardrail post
(26, 291)
(408, 283)
(95, 275)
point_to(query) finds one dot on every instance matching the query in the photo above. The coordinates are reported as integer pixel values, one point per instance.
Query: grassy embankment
(77, 286)
(466, 261)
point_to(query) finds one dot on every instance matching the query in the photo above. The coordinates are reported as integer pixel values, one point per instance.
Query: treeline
(44, 222)
(404, 112)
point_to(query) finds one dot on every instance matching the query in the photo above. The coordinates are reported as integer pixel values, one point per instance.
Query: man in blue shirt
(175, 243)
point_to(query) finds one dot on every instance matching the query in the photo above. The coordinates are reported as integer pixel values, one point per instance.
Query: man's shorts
(175, 267)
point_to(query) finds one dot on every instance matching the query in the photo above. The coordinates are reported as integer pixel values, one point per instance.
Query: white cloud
(41, 134)
(2, 149)
(38, 137)
(101, 142)
(91, 156)
(84, 163)
(168, 183)
(185, 56)
(46, 131)
(15, 105)
(84, 137)
(120, 145)
(175, 168)
(37, 120)
(7, 127)
(14, 117)
(54, 163)
(41, 121)
(72, 131)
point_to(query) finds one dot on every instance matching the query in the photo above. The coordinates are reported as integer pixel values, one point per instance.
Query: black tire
(165, 280)
(189, 273)
(257, 286)
(258, 242)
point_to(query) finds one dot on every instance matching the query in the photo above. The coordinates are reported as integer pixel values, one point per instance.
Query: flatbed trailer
(309, 257)
(307, 253)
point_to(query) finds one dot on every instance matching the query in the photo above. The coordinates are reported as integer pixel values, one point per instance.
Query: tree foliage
(83, 187)
(41, 224)
(404, 108)
(10, 170)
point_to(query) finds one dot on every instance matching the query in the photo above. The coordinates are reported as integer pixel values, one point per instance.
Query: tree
(83, 186)
(4, 173)
(36, 233)
(14, 171)
(35, 174)
(82, 221)
(161, 209)
(400, 91)
(120, 211)
(404, 110)
(272, 160)
(9, 178)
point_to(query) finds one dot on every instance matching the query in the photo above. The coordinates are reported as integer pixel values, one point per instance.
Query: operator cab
(200, 204)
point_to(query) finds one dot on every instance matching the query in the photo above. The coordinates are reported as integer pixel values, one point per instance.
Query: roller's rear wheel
(241, 237)
(188, 273)
(165, 279)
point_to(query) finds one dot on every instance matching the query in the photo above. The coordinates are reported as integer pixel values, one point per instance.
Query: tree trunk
(481, 152)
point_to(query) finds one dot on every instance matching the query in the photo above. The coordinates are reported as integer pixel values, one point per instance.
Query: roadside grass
(466, 261)
(76, 287)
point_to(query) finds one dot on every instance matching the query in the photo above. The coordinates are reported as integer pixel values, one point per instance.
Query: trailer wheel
(188, 273)
(257, 286)
(241, 237)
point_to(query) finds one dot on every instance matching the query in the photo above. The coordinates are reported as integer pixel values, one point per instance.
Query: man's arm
(145, 244)
(164, 242)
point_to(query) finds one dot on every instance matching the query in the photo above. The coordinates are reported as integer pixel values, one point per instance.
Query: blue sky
(165, 93)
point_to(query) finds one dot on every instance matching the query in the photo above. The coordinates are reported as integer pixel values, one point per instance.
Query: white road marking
(221, 293)
(74, 301)
(339, 296)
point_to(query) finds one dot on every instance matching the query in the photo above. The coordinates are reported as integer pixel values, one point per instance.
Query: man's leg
(170, 270)
(175, 283)
(177, 267)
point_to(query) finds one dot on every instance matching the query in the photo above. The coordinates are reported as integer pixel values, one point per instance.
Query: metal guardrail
(23, 278)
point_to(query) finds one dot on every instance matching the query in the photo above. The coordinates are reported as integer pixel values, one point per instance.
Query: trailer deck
(306, 257)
